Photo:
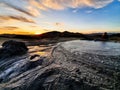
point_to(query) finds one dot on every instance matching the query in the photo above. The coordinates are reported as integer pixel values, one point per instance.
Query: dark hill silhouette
(53, 34)
(65, 34)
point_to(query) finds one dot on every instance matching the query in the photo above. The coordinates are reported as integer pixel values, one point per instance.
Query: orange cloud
(33, 7)
(53, 4)
(37, 4)
(18, 18)
(34, 11)
(8, 28)
(62, 4)
(15, 30)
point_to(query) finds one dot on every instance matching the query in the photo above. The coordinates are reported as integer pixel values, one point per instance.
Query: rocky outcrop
(65, 68)
(12, 48)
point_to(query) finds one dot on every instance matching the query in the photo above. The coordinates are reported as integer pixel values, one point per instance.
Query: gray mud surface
(72, 65)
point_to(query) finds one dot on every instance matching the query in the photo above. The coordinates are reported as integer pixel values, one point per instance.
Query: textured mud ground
(73, 65)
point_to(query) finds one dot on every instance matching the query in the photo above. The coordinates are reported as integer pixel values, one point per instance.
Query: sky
(39, 16)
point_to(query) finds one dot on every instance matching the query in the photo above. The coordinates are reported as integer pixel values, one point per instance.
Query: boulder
(13, 48)
(33, 64)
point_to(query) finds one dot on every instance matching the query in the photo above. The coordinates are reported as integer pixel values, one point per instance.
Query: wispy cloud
(18, 18)
(54, 24)
(33, 7)
(21, 6)
(13, 30)
(33, 11)
(63, 4)
(59, 24)
(89, 11)
(75, 11)
(37, 4)
(9, 28)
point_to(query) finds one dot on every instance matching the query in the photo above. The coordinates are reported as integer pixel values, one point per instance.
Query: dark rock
(12, 48)
(32, 57)
(1, 80)
(77, 71)
(33, 64)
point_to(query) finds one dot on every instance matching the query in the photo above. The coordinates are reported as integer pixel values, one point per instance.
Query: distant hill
(98, 35)
(57, 34)
(53, 34)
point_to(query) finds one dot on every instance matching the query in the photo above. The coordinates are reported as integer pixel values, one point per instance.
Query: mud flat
(71, 65)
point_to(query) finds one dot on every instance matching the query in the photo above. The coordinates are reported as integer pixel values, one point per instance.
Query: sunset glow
(39, 16)
(37, 33)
